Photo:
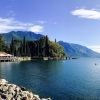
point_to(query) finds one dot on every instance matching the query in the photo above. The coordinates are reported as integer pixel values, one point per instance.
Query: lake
(77, 79)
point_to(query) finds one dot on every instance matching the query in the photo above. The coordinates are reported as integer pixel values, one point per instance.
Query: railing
(13, 58)
(6, 58)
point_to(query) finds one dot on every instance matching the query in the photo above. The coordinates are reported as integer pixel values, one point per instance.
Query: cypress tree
(46, 46)
(28, 53)
(2, 44)
(38, 50)
(55, 41)
(24, 46)
(21, 48)
(12, 46)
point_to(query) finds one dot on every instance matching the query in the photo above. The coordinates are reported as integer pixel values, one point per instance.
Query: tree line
(37, 48)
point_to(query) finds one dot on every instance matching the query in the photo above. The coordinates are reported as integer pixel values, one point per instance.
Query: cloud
(45, 22)
(10, 24)
(41, 22)
(87, 13)
(36, 28)
(95, 48)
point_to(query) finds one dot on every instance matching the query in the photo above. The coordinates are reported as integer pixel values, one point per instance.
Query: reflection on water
(60, 80)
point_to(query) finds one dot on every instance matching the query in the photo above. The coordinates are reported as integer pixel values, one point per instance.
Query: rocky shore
(14, 92)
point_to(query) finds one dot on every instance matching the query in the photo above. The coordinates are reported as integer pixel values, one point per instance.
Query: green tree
(21, 49)
(2, 44)
(24, 46)
(55, 41)
(56, 50)
(46, 46)
(42, 46)
(39, 48)
(12, 47)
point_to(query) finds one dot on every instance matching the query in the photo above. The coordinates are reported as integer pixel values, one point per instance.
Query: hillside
(20, 35)
(76, 50)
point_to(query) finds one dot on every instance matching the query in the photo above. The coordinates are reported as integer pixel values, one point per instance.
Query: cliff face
(14, 92)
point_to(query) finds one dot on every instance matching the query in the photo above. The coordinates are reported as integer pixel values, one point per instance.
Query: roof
(3, 54)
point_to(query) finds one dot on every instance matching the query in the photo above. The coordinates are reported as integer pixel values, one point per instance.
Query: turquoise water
(77, 79)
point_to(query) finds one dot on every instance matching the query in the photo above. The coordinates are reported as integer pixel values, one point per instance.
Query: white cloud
(95, 48)
(9, 24)
(86, 13)
(45, 22)
(36, 28)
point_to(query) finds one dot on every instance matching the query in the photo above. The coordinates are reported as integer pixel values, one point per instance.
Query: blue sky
(75, 21)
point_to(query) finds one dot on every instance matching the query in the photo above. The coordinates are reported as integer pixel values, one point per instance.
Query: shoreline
(11, 91)
(20, 59)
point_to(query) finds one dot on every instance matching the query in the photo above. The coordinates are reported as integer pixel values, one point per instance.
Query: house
(5, 57)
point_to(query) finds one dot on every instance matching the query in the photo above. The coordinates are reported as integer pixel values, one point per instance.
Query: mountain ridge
(20, 35)
(71, 49)
(76, 50)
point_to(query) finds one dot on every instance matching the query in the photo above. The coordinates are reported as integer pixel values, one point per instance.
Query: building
(4, 57)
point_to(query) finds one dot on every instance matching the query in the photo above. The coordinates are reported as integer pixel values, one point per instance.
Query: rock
(3, 81)
(14, 92)
(46, 99)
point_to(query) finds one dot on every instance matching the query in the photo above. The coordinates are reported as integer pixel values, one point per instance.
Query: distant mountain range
(20, 35)
(76, 50)
(73, 50)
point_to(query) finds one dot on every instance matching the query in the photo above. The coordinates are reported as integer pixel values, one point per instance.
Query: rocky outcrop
(14, 92)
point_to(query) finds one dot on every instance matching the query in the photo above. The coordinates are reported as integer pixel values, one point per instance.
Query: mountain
(20, 35)
(75, 50)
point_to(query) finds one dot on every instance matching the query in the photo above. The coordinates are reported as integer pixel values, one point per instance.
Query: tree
(12, 47)
(38, 48)
(42, 47)
(28, 52)
(2, 44)
(24, 46)
(56, 50)
(55, 41)
(46, 46)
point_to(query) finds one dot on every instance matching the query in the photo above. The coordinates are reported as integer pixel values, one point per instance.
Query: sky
(74, 21)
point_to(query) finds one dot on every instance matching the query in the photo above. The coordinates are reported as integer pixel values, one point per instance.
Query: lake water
(77, 79)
